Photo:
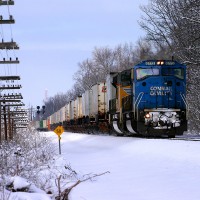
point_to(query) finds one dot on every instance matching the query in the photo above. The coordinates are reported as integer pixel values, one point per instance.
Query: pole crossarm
(12, 96)
(17, 113)
(7, 78)
(9, 2)
(7, 21)
(10, 100)
(4, 87)
(4, 61)
(8, 45)
(15, 105)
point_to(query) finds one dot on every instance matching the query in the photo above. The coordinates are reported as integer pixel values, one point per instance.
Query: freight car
(149, 99)
(40, 125)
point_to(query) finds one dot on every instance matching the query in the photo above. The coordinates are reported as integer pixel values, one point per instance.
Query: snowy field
(140, 169)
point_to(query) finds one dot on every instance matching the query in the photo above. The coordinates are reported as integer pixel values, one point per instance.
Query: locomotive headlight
(147, 115)
(158, 63)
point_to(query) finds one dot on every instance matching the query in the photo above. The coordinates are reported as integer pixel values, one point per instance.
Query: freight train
(148, 99)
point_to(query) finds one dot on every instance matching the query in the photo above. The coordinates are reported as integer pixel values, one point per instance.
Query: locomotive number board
(153, 63)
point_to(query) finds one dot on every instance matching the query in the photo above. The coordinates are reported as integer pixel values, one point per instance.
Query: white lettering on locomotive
(160, 90)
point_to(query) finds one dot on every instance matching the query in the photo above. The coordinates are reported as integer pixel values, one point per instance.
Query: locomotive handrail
(137, 102)
(184, 100)
(134, 105)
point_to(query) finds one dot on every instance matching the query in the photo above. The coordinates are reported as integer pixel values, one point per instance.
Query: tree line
(176, 25)
(172, 29)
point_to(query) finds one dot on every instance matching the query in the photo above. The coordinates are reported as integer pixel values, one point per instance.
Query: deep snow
(140, 169)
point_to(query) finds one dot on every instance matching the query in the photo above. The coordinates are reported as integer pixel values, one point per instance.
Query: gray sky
(55, 35)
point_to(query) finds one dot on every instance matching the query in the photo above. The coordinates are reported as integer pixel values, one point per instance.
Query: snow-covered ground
(140, 169)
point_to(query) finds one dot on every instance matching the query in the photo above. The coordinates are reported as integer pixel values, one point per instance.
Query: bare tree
(92, 71)
(77, 89)
(124, 56)
(176, 24)
(104, 58)
(87, 75)
(143, 50)
(53, 104)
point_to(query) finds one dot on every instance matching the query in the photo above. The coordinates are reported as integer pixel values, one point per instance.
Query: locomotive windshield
(178, 72)
(144, 72)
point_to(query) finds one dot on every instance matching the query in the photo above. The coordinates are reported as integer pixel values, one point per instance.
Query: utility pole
(10, 103)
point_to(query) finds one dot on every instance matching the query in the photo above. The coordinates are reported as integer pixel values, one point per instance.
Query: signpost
(59, 130)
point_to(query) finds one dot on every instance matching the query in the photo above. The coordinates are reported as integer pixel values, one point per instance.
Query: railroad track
(186, 138)
(181, 137)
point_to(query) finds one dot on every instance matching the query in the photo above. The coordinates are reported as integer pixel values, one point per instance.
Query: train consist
(148, 99)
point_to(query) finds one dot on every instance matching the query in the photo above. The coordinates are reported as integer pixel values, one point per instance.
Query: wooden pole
(5, 123)
(0, 122)
(9, 124)
(12, 125)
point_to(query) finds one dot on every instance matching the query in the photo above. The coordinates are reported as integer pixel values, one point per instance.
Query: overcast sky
(55, 35)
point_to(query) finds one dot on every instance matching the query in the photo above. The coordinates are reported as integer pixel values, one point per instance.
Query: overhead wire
(2, 38)
(12, 39)
(11, 35)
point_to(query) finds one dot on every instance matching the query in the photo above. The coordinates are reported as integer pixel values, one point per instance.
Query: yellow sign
(59, 130)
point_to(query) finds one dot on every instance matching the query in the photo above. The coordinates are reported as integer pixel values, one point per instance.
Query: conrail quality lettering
(160, 90)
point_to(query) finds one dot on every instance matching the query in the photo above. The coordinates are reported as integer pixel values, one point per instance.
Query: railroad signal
(40, 110)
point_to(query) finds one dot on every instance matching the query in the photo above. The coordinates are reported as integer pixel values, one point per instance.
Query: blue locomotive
(150, 99)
